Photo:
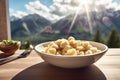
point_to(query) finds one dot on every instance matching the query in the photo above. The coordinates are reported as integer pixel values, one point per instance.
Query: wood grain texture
(3, 20)
(34, 68)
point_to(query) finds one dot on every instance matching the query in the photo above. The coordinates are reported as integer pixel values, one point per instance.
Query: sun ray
(85, 4)
(73, 21)
(89, 19)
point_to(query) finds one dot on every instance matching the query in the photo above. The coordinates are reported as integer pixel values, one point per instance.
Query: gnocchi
(70, 46)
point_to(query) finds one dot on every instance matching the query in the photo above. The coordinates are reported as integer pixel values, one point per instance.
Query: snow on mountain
(13, 18)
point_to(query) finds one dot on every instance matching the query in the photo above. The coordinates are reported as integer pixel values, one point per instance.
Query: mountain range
(30, 24)
(104, 21)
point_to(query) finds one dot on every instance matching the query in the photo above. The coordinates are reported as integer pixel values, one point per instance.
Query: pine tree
(113, 40)
(118, 42)
(98, 37)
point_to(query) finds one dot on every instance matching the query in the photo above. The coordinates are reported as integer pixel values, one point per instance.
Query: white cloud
(61, 8)
(36, 5)
(114, 5)
(38, 8)
(11, 11)
(57, 9)
(19, 14)
(108, 4)
(103, 2)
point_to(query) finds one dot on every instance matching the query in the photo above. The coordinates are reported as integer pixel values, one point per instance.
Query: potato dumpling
(71, 46)
(71, 52)
(80, 48)
(64, 43)
(52, 51)
(53, 45)
(71, 38)
(93, 49)
(85, 44)
(88, 52)
(58, 42)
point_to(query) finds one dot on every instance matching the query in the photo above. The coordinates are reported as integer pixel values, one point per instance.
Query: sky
(20, 4)
(118, 1)
(55, 9)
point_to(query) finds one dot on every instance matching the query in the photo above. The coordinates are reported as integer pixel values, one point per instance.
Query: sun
(80, 2)
(83, 1)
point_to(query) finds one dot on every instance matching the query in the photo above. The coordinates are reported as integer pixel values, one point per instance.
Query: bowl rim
(41, 52)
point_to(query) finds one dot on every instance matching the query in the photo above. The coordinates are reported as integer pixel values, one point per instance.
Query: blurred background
(45, 20)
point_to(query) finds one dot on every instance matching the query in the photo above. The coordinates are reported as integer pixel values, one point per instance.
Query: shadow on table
(44, 71)
(2, 55)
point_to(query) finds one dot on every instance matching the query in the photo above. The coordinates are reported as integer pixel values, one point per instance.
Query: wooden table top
(34, 68)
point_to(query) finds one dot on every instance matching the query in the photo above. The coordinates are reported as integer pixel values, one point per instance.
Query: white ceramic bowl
(71, 61)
